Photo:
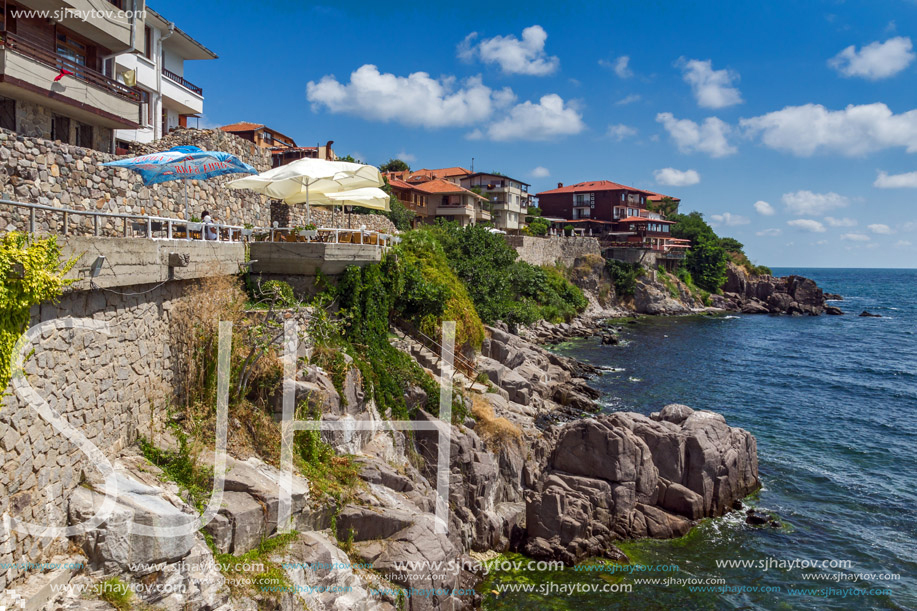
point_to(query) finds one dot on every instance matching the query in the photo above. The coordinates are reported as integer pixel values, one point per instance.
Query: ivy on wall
(31, 272)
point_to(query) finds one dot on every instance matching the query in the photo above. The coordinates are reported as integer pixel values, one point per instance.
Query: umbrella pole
(187, 211)
(308, 208)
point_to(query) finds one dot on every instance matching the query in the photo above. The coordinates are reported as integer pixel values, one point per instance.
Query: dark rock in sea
(775, 524)
(766, 294)
(833, 311)
(624, 475)
(870, 314)
(610, 339)
(737, 505)
(756, 519)
(833, 297)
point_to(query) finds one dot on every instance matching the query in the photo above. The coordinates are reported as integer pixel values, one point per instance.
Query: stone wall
(553, 250)
(40, 171)
(109, 386)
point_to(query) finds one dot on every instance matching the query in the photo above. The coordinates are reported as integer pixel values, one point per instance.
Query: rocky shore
(535, 471)
(794, 295)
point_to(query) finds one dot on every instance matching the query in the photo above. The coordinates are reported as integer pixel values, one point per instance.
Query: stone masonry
(553, 250)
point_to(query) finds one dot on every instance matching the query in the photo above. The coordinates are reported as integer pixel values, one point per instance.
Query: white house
(157, 69)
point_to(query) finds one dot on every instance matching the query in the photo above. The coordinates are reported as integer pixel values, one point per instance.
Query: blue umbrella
(183, 163)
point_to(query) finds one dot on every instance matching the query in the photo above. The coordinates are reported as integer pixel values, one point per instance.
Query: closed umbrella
(307, 179)
(183, 163)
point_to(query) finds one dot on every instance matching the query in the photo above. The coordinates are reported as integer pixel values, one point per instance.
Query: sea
(832, 401)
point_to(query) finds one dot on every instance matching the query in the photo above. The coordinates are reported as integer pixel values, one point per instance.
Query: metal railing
(461, 364)
(181, 81)
(333, 235)
(152, 227)
(34, 51)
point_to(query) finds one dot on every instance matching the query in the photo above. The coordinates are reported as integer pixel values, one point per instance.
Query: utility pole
(472, 165)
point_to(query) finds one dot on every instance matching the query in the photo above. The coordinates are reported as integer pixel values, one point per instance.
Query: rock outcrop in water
(770, 295)
(625, 476)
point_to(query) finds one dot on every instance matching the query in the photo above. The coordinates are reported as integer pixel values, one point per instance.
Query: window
(8, 114)
(148, 42)
(84, 135)
(622, 197)
(60, 128)
(266, 136)
(70, 49)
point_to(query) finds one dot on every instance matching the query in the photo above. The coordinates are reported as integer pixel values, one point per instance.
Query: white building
(157, 69)
(509, 198)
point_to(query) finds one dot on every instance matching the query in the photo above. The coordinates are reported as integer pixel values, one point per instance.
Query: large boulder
(652, 298)
(624, 475)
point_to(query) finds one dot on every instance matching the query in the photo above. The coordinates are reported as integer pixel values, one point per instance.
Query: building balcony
(455, 210)
(181, 95)
(482, 215)
(28, 70)
(113, 31)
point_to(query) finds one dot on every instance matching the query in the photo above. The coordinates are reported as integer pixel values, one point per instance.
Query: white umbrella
(297, 181)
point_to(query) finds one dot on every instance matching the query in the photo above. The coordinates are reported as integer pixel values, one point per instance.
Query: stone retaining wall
(109, 386)
(553, 250)
(39, 171)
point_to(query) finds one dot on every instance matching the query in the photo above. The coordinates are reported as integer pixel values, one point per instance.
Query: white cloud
(406, 157)
(902, 243)
(540, 172)
(547, 119)
(880, 229)
(676, 178)
(620, 66)
(415, 100)
(762, 207)
(896, 181)
(875, 61)
(513, 55)
(712, 88)
(802, 203)
(856, 130)
(769, 232)
(708, 137)
(855, 237)
(628, 100)
(807, 225)
(620, 131)
(728, 219)
(844, 222)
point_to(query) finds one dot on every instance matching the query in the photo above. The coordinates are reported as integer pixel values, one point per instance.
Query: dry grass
(496, 432)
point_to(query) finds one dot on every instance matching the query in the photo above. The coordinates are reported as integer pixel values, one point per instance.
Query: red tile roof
(656, 197)
(438, 173)
(400, 184)
(440, 185)
(241, 126)
(594, 185)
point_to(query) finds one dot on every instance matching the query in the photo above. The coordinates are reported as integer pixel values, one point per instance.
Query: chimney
(560, 185)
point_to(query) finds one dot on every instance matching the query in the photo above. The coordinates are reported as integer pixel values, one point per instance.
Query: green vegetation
(394, 165)
(668, 282)
(181, 467)
(279, 291)
(706, 259)
(698, 293)
(271, 580)
(329, 475)
(536, 224)
(116, 593)
(32, 273)
(667, 207)
(624, 276)
(500, 287)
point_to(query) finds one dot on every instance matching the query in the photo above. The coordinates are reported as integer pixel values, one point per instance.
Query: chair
(345, 237)
(372, 238)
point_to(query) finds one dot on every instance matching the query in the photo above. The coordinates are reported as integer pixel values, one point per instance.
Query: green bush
(624, 276)
(280, 291)
(706, 260)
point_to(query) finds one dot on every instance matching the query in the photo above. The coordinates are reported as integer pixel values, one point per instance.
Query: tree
(394, 165)
(691, 227)
(667, 206)
(706, 260)
(349, 159)
(539, 226)
(732, 245)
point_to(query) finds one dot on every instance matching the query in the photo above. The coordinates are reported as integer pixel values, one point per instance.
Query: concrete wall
(553, 250)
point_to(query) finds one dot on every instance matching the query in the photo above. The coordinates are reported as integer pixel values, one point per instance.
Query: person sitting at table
(210, 233)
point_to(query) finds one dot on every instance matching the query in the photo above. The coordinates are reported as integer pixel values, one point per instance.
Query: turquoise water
(832, 401)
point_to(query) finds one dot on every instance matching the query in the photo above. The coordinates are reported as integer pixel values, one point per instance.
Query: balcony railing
(35, 51)
(181, 81)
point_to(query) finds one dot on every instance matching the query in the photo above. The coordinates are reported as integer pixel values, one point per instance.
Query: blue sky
(808, 107)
